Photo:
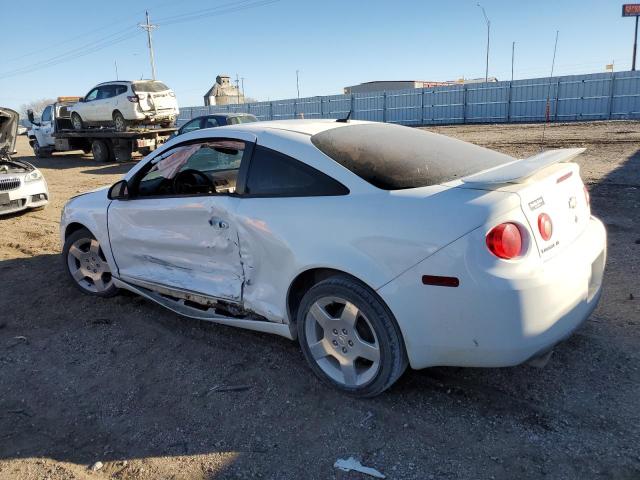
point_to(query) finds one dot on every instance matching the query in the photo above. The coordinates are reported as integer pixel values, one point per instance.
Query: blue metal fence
(598, 96)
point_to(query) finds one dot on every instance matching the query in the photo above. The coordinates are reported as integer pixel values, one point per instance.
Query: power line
(130, 32)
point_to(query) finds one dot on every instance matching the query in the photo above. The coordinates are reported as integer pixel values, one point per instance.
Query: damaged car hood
(8, 129)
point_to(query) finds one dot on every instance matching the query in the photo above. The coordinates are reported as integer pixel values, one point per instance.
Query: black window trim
(240, 181)
(304, 165)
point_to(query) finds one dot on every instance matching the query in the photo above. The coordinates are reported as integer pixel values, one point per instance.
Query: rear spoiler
(519, 170)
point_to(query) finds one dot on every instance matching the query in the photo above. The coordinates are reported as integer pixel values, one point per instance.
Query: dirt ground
(125, 382)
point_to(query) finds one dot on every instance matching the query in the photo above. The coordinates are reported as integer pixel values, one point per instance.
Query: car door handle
(218, 223)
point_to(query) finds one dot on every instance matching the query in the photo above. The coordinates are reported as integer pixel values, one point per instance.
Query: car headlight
(32, 176)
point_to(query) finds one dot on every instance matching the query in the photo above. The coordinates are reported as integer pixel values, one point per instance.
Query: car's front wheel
(86, 264)
(38, 151)
(349, 337)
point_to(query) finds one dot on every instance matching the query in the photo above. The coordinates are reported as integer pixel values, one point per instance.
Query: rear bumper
(499, 316)
(29, 195)
(157, 115)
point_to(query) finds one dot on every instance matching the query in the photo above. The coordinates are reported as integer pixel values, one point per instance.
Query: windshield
(393, 157)
(152, 86)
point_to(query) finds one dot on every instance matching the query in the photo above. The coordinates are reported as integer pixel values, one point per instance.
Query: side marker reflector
(439, 281)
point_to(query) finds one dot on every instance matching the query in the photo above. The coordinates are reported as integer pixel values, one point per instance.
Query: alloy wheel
(342, 341)
(88, 266)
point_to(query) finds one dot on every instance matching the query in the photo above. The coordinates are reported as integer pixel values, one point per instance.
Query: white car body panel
(387, 239)
(171, 241)
(152, 107)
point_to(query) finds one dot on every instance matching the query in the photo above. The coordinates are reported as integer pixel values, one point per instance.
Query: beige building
(223, 92)
(382, 85)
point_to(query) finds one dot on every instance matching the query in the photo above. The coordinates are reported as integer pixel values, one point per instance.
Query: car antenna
(346, 119)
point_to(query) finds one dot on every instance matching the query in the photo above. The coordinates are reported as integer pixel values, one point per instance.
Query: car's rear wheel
(119, 123)
(76, 121)
(86, 264)
(100, 151)
(349, 337)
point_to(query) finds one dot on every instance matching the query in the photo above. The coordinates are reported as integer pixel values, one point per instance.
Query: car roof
(305, 127)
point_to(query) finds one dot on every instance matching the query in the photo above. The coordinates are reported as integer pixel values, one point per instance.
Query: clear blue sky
(334, 43)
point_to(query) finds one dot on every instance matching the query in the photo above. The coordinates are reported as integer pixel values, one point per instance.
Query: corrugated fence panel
(597, 96)
(404, 107)
(487, 102)
(368, 106)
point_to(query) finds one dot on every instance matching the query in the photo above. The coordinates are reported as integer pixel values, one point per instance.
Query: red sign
(631, 10)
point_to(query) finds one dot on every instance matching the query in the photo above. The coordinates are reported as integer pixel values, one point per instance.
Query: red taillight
(587, 197)
(545, 227)
(505, 241)
(133, 98)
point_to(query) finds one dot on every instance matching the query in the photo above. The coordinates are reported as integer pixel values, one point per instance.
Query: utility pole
(548, 107)
(242, 84)
(148, 27)
(486, 19)
(115, 63)
(298, 83)
(238, 88)
(513, 54)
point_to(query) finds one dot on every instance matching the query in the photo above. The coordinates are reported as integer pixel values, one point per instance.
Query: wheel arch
(310, 277)
(72, 228)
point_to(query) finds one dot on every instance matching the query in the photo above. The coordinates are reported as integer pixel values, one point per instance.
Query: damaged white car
(22, 185)
(377, 246)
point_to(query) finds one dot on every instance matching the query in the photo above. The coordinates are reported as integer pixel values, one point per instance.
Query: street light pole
(635, 45)
(486, 19)
(513, 54)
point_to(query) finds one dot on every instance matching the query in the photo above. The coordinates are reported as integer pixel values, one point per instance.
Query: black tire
(76, 121)
(392, 354)
(37, 151)
(119, 122)
(100, 150)
(81, 235)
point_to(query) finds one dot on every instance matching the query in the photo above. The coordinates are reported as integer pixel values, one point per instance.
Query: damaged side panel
(189, 243)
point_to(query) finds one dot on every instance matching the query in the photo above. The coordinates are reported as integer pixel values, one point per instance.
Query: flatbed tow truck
(54, 133)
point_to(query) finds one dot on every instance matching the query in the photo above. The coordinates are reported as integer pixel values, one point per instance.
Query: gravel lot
(124, 382)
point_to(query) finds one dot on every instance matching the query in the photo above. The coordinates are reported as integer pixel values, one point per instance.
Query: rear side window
(274, 174)
(152, 86)
(393, 157)
(120, 89)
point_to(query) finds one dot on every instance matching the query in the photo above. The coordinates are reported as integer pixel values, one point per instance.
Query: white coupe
(377, 246)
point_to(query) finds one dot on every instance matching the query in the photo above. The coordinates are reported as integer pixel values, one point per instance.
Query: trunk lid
(546, 183)
(154, 95)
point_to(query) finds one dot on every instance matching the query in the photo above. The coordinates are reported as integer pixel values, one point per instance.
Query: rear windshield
(392, 157)
(152, 86)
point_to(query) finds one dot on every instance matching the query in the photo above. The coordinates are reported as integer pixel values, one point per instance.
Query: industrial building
(387, 85)
(223, 92)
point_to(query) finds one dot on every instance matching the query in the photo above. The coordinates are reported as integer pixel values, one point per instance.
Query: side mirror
(31, 118)
(119, 191)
